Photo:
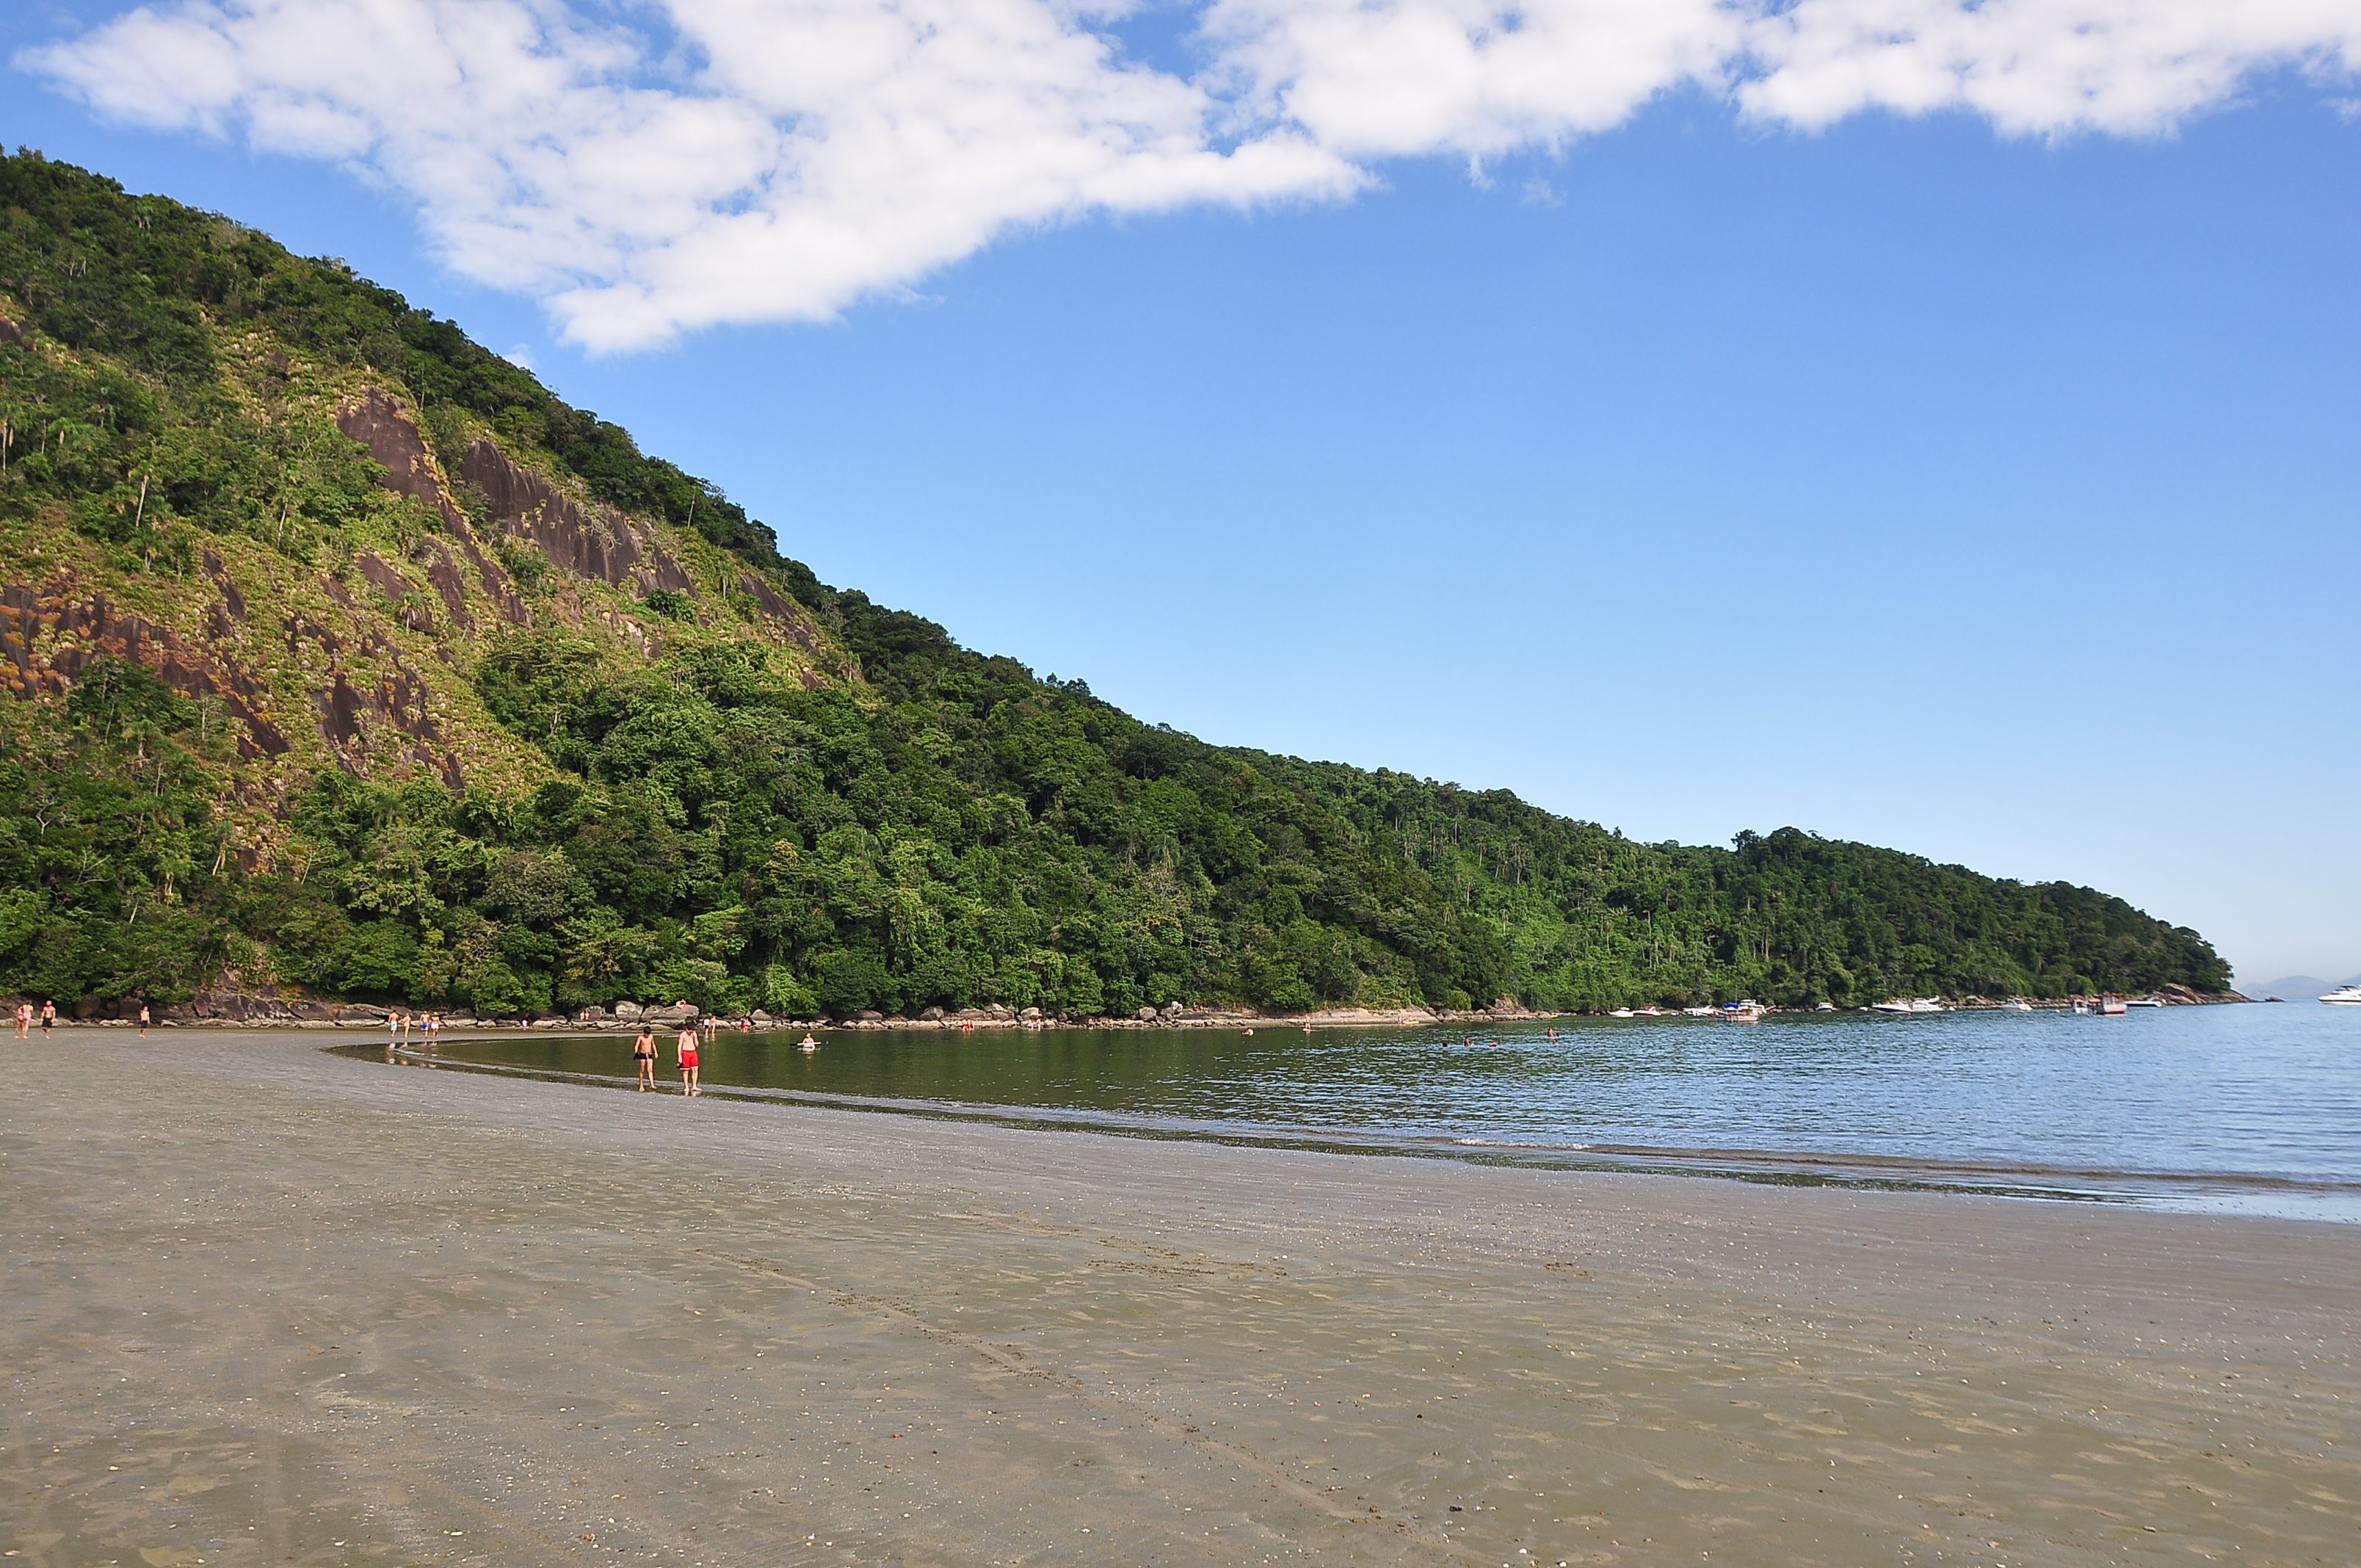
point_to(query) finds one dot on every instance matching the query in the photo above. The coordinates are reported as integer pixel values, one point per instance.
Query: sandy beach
(264, 1304)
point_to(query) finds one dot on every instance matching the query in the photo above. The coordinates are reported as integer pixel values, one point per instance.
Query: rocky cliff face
(360, 657)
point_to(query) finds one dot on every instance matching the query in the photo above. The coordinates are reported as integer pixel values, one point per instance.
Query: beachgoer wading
(686, 1049)
(49, 1018)
(143, 1018)
(643, 1053)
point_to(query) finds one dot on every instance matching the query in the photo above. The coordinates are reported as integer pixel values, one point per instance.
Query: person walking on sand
(24, 1020)
(49, 1018)
(143, 1019)
(686, 1049)
(644, 1054)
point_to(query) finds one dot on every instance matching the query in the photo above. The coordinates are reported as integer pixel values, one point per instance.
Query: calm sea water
(2250, 1109)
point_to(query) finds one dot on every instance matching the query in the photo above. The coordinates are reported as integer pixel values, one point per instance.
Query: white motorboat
(1897, 1005)
(2017, 1005)
(2142, 1002)
(1929, 1005)
(1622, 1013)
(1743, 1012)
(1698, 1012)
(1824, 1006)
(2344, 995)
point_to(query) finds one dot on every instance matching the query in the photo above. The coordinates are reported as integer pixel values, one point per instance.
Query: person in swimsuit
(24, 1020)
(643, 1053)
(686, 1046)
(48, 1017)
(143, 1018)
(809, 1044)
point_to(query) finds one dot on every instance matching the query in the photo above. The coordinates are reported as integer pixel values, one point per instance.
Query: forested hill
(344, 657)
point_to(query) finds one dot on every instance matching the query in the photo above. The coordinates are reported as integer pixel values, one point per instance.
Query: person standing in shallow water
(24, 1020)
(643, 1056)
(686, 1048)
(143, 1018)
(49, 1018)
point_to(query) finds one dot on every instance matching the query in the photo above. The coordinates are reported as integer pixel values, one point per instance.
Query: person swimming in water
(809, 1044)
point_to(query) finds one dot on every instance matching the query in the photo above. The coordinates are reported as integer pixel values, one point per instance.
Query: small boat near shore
(1898, 1006)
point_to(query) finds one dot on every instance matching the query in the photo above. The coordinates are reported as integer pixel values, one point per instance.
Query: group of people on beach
(48, 1018)
(398, 1024)
(692, 1032)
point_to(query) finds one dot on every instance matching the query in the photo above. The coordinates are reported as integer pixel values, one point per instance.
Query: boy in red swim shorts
(686, 1046)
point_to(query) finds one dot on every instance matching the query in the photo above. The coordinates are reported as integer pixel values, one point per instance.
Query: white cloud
(2037, 67)
(697, 162)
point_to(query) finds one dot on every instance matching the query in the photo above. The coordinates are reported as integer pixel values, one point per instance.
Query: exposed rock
(48, 639)
(868, 1015)
(1030, 1012)
(663, 572)
(392, 697)
(591, 544)
(628, 1010)
(791, 618)
(377, 423)
(931, 1014)
(382, 574)
(1149, 1014)
(443, 576)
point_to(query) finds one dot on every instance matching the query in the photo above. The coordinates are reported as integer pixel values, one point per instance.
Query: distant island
(346, 662)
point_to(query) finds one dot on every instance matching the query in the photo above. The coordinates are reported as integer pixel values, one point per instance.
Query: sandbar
(261, 1303)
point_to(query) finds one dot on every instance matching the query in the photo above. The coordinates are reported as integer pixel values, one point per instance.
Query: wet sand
(261, 1304)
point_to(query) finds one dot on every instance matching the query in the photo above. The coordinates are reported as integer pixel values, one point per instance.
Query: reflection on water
(2263, 1103)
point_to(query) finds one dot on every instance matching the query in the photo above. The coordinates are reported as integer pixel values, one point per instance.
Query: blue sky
(1988, 495)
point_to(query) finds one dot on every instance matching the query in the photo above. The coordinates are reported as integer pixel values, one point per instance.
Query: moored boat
(2344, 995)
